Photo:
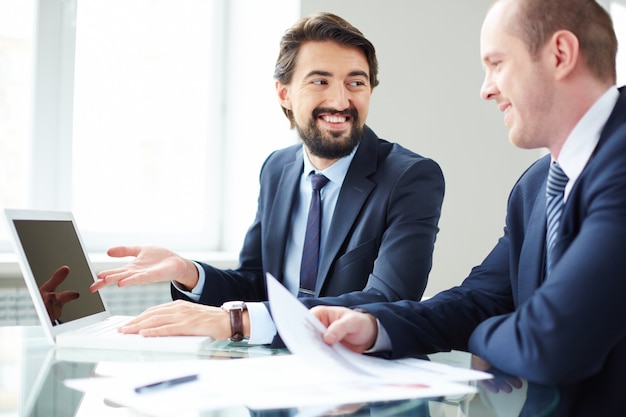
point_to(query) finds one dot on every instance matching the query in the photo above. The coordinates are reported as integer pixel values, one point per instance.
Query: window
(16, 72)
(150, 118)
(147, 121)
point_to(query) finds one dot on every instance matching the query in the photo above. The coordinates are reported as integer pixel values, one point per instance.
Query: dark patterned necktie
(555, 188)
(311, 249)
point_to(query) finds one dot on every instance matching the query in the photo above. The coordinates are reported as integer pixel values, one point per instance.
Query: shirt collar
(584, 138)
(336, 172)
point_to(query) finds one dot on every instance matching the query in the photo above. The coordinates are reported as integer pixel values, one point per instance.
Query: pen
(155, 386)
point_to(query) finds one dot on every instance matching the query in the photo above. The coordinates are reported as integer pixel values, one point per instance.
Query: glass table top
(32, 375)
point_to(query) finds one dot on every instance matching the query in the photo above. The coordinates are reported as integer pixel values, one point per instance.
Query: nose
(488, 89)
(338, 96)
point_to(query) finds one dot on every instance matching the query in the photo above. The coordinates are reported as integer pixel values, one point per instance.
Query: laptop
(47, 240)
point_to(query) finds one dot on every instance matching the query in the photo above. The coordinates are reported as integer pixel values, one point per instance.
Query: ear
(565, 49)
(283, 95)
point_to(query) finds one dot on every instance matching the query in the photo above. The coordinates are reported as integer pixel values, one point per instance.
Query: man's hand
(151, 264)
(54, 301)
(355, 330)
(184, 318)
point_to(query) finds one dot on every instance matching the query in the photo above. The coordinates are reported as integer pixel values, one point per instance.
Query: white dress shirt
(584, 138)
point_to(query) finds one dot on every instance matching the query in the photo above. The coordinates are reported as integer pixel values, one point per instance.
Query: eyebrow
(359, 73)
(328, 74)
(491, 56)
(318, 72)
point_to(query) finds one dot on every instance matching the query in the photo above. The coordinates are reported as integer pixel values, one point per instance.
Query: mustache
(351, 112)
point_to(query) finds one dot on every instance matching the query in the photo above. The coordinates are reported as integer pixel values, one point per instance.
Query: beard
(331, 145)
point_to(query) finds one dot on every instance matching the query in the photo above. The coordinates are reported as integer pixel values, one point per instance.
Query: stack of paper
(314, 375)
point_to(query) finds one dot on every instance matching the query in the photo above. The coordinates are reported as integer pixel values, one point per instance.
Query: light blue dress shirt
(262, 329)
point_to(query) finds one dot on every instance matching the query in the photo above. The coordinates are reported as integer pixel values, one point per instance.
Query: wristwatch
(236, 309)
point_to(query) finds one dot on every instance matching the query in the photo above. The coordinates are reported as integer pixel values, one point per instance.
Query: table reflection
(40, 369)
(507, 395)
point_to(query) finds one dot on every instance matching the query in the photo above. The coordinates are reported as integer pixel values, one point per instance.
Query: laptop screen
(49, 245)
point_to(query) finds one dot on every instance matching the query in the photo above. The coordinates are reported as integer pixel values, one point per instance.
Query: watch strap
(235, 310)
(236, 324)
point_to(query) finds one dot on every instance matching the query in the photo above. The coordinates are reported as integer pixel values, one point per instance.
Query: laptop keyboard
(107, 327)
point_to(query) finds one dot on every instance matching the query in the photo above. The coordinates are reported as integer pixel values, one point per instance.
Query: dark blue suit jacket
(381, 239)
(569, 330)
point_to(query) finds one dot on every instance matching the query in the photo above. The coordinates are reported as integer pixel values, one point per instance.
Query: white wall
(428, 100)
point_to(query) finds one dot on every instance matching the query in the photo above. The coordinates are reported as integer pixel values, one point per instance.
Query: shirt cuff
(262, 328)
(196, 291)
(382, 343)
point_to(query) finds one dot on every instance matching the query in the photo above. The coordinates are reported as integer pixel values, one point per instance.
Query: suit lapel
(280, 215)
(616, 119)
(354, 192)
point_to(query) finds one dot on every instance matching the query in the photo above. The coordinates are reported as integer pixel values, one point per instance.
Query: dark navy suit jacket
(568, 330)
(381, 239)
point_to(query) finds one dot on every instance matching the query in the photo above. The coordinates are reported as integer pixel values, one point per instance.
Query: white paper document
(282, 381)
(313, 375)
(302, 333)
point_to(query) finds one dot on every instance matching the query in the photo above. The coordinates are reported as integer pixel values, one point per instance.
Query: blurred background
(150, 119)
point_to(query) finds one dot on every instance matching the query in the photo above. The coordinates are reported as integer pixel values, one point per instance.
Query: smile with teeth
(334, 119)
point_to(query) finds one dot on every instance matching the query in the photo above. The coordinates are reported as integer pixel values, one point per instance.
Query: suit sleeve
(446, 321)
(567, 330)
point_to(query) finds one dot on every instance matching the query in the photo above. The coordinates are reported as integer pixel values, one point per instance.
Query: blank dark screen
(50, 244)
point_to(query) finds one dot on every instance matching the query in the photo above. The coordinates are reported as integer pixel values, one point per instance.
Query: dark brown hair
(321, 27)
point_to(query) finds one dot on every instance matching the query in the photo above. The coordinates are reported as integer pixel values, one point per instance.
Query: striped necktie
(555, 188)
(310, 251)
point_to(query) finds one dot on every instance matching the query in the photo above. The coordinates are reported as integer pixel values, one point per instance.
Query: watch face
(234, 305)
